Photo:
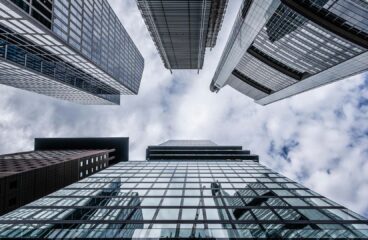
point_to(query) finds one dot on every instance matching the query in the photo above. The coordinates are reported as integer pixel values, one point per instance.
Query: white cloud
(326, 131)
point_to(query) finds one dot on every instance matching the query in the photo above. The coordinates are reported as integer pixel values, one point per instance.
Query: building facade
(54, 164)
(73, 50)
(279, 48)
(185, 198)
(182, 29)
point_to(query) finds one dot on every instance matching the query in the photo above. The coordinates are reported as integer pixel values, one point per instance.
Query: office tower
(185, 189)
(182, 30)
(54, 164)
(72, 50)
(280, 48)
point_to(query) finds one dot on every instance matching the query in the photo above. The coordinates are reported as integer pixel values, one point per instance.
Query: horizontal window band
(275, 64)
(251, 82)
(329, 21)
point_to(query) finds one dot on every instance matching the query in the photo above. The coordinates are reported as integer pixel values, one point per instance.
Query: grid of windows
(301, 44)
(19, 162)
(298, 44)
(183, 29)
(354, 12)
(92, 28)
(182, 199)
(293, 46)
(101, 60)
(88, 166)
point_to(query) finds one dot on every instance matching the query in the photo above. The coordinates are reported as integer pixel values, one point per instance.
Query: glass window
(171, 202)
(151, 201)
(212, 214)
(174, 192)
(264, 214)
(283, 192)
(190, 213)
(144, 185)
(160, 185)
(288, 214)
(338, 214)
(295, 202)
(209, 202)
(191, 201)
(192, 192)
(317, 202)
(313, 214)
(148, 213)
(168, 214)
(156, 192)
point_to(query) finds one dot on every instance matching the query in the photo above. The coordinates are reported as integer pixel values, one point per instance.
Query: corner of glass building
(67, 50)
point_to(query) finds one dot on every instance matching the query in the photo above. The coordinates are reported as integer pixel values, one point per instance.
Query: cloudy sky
(318, 138)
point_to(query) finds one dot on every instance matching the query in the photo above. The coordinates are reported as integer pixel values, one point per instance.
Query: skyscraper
(73, 50)
(280, 48)
(182, 29)
(185, 189)
(54, 164)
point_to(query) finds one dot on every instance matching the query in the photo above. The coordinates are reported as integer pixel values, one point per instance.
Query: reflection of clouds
(328, 124)
(171, 201)
(148, 213)
(168, 214)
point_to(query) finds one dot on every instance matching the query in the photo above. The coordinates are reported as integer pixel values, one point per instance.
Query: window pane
(168, 214)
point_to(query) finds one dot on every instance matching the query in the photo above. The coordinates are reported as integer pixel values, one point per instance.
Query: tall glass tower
(73, 50)
(280, 48)
(183, 29)
(185, 189)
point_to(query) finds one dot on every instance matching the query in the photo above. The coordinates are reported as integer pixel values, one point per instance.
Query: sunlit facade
(197, 198)
(280, 48)
(72, 50)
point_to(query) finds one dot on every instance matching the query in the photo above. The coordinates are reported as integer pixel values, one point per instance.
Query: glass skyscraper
(185, 189)
(183, 29)
(73, 50)
(279, 48)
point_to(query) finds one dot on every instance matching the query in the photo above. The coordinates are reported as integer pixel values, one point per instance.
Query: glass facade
(183, 29)
(216, 199)
(293, 47)
(79, 47)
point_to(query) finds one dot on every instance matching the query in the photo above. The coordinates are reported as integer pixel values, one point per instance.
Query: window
(171, 202)
(295, 202)
(151, 202)
(313, 214)
(168, 214)
(81, 163)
